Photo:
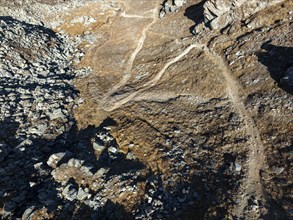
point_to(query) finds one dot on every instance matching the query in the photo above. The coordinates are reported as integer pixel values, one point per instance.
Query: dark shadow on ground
(30, 28)
(110, 210)
(23, 166)
(209, 194)
(26, 181)
(195, 13)
(279, 63)
(164, 2)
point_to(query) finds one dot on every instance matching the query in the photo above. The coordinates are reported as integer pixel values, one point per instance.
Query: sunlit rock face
(220, 13)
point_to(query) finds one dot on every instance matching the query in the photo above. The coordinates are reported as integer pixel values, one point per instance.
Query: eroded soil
(153, 77)
(205, 113)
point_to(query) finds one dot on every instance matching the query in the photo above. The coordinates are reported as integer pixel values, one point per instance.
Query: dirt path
(133, 56)
(153, 81)
(132, 16)
(256, 156)
(252, 183)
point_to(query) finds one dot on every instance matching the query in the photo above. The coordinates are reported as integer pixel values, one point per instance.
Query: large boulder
(220, 13)
(171, 6)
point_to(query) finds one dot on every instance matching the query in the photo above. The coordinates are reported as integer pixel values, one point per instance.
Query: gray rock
(113, 150)
(75, 163)
(162, 14)
(105, 137)
(56, 114)
(33, 106)
(278, 170)
(238, 167)
(70, 192)
(101, 172)
(171, 6)
(219, 13)
(87, 170)
(54, 159)
(28, 213)
(38, 130)
(98, 147)
(179, 3)
(130, 156)
(82, 195)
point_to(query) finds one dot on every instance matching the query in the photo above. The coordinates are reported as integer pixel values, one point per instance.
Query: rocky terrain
(146, 109)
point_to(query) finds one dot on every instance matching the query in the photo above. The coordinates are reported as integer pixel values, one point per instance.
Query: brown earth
(158, 82)
(214, 97)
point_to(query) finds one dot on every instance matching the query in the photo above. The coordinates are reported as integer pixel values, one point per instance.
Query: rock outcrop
(171, 6)
(37, 98)
(220, 13)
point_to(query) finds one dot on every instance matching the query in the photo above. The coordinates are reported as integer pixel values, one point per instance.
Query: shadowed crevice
(195, 13)
(279, 63)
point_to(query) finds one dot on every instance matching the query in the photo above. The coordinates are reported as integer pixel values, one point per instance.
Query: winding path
(255, 162)
(153, 81)
(133, 56)
(256, 159)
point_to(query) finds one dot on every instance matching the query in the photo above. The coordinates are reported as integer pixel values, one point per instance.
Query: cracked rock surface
(220, 13)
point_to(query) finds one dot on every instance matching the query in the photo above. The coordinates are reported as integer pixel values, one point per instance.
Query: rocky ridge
(220, 13)
(37, 101)
(36, 77)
